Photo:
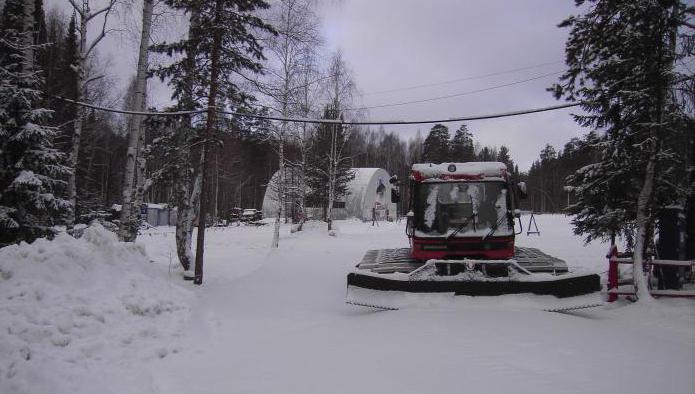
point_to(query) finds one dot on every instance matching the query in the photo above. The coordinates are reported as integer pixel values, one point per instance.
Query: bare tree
(306, 99)
(341, 90)
(127, 231)
(86, 15)
(297, 30)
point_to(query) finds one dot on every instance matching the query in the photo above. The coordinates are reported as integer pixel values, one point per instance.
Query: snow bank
(68, 304)
(483, 168)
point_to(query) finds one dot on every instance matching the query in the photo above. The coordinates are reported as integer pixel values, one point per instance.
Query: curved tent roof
(369, 189)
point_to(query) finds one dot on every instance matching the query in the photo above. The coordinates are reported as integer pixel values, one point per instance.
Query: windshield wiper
(494, 228)
(462, 226)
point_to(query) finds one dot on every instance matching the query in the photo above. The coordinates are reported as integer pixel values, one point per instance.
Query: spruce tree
(30, 168)
(621, 59)
(487, 154)
(462, 149)
(436, 146)
(504, 157)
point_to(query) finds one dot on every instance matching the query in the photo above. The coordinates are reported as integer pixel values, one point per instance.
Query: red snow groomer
(461, 227)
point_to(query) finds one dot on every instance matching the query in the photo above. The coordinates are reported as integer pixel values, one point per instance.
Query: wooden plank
(679, 263)
(673, 293)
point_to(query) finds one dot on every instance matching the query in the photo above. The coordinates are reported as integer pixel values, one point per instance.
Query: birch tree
(297, 38)
(341, 90)
(306, 99)
(86, 48)
(128, 230)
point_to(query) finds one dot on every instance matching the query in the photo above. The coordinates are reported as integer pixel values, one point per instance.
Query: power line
(463, 79)
(455, 94)
(336, 121)
(324, 121)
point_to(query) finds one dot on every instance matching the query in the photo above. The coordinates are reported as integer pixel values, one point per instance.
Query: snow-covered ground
(92, 315)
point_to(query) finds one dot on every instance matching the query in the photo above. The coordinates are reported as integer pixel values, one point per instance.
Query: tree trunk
(331, 179)
(127, 230)
(28, 37)
(79, 123)
(302, 181)
(183, 248)
(280, 194)
(211, 124)
(643, 218)
(188, 182)
(141, 183)
(186, 216)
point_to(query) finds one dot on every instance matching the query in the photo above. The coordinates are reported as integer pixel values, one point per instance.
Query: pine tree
(221, 43)
(31, 168)
(487, 154)
(621, 56)
(436, 146)
(504, 157)
(462, 149)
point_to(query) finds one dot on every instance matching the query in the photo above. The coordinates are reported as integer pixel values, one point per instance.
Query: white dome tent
(369, 190)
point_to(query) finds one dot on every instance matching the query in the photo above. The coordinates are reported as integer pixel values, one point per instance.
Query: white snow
(474, 195)
(74, 310)
(27, 178)
(501, 208)
(431, 209)
(483, 168)
(276, 322)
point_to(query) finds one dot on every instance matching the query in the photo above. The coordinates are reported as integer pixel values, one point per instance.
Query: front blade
(568, 285)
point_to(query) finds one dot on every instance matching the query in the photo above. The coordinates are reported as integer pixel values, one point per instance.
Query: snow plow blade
(562, 286)
(531, 271)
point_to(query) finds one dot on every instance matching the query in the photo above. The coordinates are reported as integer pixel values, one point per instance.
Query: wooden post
(612, 272)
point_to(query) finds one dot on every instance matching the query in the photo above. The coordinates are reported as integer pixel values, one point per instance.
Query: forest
(76, 149)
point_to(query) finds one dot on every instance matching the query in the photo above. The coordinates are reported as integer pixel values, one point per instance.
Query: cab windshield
(463, 209)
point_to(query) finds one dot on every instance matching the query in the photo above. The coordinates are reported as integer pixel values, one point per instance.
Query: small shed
(153, 214)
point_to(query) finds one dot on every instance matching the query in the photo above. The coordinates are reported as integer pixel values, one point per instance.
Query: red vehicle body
(461, 231)
(462, 223)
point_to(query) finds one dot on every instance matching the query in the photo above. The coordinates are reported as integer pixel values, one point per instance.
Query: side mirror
(521, 188)
(395, 196)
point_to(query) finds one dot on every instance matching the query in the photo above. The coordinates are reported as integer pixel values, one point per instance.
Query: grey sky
(392, 44)
(400, 43)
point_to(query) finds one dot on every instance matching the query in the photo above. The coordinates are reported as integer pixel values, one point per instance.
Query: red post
(612, 272)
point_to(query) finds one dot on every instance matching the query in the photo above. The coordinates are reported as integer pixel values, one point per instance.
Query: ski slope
(275, 321)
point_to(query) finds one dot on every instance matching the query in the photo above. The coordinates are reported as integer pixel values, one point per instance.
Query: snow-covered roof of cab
(453, 171)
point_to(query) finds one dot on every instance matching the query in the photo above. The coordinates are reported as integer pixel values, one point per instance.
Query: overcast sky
(396, 44)
(404, 43)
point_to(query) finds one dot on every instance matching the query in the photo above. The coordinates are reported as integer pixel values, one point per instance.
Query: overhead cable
(323, 121)
(455, 94)
(470, 78)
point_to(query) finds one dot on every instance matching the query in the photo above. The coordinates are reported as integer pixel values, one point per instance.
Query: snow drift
(70, 303)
